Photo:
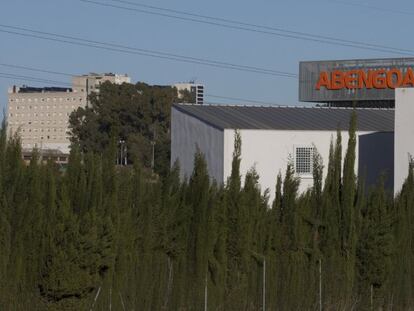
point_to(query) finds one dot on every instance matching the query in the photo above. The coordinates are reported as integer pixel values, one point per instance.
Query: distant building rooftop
(30, 89)
(289, 118)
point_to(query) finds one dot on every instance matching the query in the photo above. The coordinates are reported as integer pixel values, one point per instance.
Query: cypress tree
(236, 280)
(252, 240)
(330, 230)
(348, 214)
(404, 252)
(5, 226)
(375, 250)
(198, 198)
(290, 265)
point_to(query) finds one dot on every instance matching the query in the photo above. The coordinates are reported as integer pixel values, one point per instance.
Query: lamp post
(264, 283)
(153, 147)
(153, 156)
(122, 159)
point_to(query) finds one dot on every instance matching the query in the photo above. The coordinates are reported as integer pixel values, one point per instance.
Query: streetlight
(153, 147)
(153, 156)
(122, 159)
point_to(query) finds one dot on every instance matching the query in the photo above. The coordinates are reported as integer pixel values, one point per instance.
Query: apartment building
(194, 88)
(41, 115)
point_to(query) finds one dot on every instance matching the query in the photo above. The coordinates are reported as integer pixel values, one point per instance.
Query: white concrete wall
(404, 134)
(186, 134)
(269, 152)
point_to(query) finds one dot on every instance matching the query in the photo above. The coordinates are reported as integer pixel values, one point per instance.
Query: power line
(12, 76)
(239, 25)
(36, 69)
(30, 78)
(372, 7)
(240, 99)
(137, 51)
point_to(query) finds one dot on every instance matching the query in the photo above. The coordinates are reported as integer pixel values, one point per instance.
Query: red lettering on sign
(370, 79)
(323, 81)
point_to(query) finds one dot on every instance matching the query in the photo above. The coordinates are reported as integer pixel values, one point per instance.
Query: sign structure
(369, 80)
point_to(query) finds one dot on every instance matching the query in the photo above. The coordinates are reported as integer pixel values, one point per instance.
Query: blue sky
(340, 19)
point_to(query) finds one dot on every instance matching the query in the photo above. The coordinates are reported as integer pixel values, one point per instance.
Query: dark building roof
(289, 118)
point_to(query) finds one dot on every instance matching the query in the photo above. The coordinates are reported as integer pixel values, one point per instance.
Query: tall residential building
(41, 115)
(194, 88)
(90, 83)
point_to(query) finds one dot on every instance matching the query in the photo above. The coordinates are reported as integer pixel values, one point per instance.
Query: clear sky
(371, 21)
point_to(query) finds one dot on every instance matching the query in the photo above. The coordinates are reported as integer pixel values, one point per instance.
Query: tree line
(103, 237)
(137, 114)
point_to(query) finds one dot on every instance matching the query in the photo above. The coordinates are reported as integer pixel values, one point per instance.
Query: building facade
(194, 88)
(41, 115)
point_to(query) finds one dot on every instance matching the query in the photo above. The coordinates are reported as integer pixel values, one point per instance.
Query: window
(304, 160)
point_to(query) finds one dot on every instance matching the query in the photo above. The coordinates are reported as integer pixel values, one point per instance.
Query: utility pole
(264, 284)
(122, 159)
(153, 148)
(372, 297)
(126, 155)
(122, 301)
(153, 156)
(205, 295)
(110, 299)
(96, 297)
(320, 284)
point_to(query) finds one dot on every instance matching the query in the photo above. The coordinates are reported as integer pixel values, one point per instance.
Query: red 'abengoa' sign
(371, 79)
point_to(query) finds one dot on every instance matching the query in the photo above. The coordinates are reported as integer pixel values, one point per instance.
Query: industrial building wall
(376, 158)
(269, 151)
(188, 133)
(404, 134)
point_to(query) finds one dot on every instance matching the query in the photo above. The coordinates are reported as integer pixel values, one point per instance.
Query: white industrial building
(404, 135)
(272, 136)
